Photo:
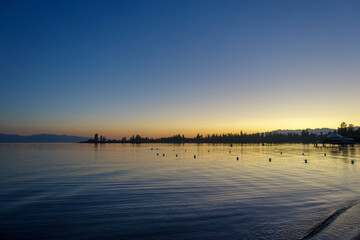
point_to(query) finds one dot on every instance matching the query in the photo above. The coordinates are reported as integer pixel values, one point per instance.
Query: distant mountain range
(317, 131)
(41, 138)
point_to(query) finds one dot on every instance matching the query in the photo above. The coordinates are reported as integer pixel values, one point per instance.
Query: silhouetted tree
(342, 130)
(137, 139)
(350, 129)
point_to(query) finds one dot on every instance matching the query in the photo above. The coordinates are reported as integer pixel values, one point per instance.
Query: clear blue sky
(165, 67)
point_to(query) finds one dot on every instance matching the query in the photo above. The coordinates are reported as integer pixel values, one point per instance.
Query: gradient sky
(159, 68)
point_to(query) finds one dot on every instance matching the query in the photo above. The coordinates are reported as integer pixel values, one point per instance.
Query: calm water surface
(125, 191)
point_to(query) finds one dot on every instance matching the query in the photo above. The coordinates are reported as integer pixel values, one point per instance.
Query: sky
(159, 68)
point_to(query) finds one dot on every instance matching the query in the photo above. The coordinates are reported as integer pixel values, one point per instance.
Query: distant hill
(316, 131)
(41, 138)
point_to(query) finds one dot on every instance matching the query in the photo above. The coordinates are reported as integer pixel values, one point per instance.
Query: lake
(127, 191)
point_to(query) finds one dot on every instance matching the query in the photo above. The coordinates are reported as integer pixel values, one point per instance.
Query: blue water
(125, 191)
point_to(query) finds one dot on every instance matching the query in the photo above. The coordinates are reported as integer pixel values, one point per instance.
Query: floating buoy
(352, 162)
(269, 159)
(229, 151)
(305, 160)
(325, 154)
(302, 153)
(194, 156)
(237, 158)
(157, 154)
(163, 154)
(176, 155)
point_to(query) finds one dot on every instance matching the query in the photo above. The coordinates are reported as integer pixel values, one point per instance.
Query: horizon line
(203, 134)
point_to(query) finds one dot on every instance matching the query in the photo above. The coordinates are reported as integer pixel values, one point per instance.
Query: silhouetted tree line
(265, 137)
(269, 137)
(349, 131)
(96, 139)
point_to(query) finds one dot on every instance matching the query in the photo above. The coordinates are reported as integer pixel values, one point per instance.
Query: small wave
(323, 224)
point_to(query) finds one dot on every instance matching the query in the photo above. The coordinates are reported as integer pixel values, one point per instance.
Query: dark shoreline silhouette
(265, 137)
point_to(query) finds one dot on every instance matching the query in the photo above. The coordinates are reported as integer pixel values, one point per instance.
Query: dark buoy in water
(231, 145)
(325, 154)
(269, 159)
(281, 153)
(352, 162)
(237, 158)
(163, 154)
(229, 151)
(305, 160)
(302, 153)
(176, 155)
(157, 154)
(194, 156)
